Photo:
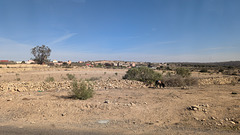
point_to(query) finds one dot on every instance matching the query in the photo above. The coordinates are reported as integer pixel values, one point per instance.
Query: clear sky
(131, 30)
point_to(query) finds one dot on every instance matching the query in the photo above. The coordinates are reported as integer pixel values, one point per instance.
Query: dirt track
(125, 111)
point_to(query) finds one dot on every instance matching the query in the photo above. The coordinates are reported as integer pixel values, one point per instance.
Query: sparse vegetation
(18, 79)
(221, 70)
(203, 70)
(93, 79)
(82, 90)
(71, 76)
(178, 81)
(183, 72)
(49, 79)
(116, 73)
(142, 74)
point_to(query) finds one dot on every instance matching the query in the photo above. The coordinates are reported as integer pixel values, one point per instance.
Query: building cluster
(100, 63)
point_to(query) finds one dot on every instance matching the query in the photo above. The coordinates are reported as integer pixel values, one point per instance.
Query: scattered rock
(10, 99)
(198, 108)
(213, 118)
(217, 80)
(203, 120)
(32, 122)
(103, 121)
(232, 122)
(196, 118)
(149, 123)
(66, 85)
(107, 101)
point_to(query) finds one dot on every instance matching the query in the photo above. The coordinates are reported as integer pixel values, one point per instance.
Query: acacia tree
(41, 54)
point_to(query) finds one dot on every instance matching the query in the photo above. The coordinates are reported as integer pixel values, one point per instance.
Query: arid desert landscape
(30, 104)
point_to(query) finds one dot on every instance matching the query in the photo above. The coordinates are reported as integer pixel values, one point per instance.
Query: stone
(232, 122)
(196, 118)
(107, 101)
(10, 99)
(213, 118)
(103, 121)
(203, 119)
(132, 104)
(195, 109)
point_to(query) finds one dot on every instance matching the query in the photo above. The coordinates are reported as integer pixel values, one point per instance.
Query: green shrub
(178, 81)
(220, 70)
(190, 81)
(49, 79)
(173, 81)
(71, 76)
(93, 79)
(0, 66)
(168, 74)
(143, 74)
(18, 79)
(204, 70)
(183, 72)
(82, 90)
(116, 73)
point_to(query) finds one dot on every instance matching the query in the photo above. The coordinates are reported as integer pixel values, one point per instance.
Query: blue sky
(131, 30)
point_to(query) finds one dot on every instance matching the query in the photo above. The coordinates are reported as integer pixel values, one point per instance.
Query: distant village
(91, 64)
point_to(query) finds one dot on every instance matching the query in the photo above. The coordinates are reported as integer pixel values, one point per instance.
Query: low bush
(204, 70)
(93, 79)
(143, 74)
(183, 72)
(49, 79)
(71, 77)
(221, 70)
(82, 90)
(179, 81)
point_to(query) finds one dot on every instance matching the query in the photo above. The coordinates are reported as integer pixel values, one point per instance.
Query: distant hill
(227, 63)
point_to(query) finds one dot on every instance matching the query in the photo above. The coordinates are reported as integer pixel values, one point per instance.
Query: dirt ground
(119, 111)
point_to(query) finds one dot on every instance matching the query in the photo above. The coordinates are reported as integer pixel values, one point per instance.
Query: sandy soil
(120, 111)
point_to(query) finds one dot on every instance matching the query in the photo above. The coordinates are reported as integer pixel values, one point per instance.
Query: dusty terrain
(211, 109)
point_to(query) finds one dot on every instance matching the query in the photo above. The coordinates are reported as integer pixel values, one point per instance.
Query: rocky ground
(124, 107)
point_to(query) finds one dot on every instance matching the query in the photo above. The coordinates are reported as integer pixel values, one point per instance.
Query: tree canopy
(41, 54)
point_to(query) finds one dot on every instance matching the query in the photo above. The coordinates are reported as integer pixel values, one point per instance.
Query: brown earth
(210, 109)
